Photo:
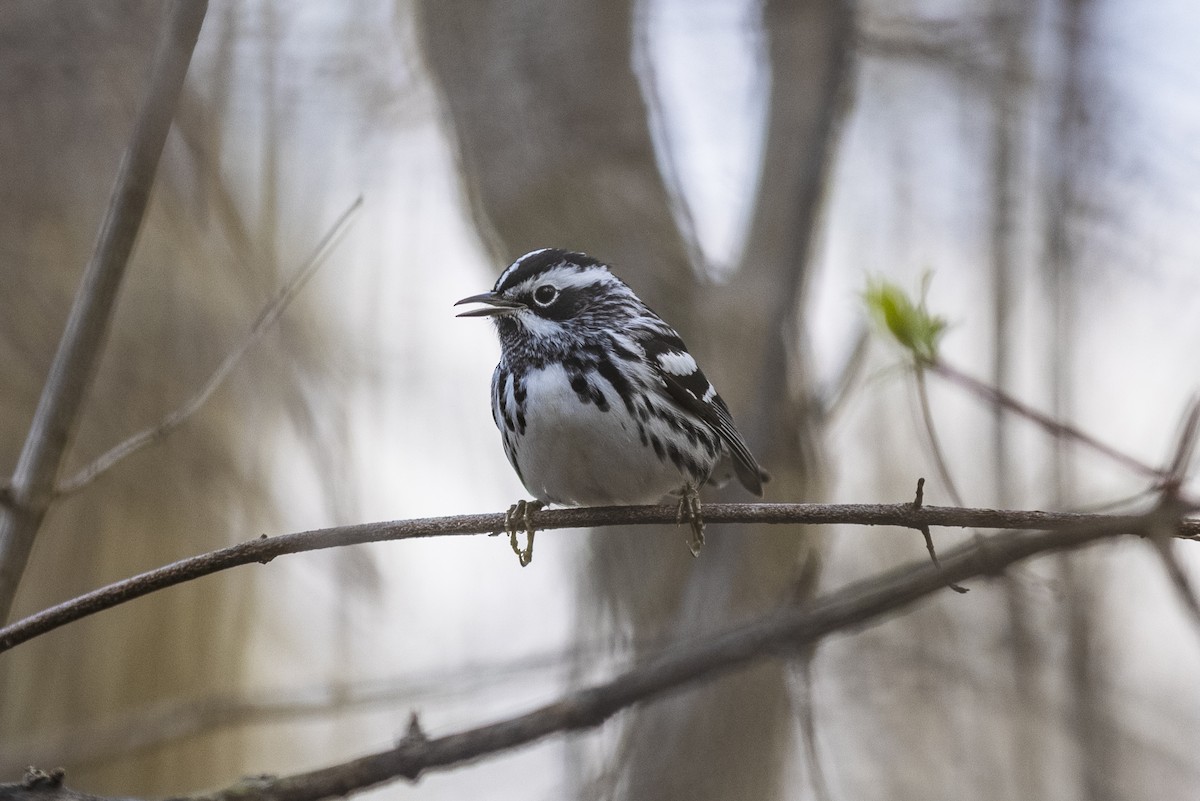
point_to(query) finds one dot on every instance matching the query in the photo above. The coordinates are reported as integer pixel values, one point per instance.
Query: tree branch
(778, 635)
(170, 721)
(265, 549)
(184, 412)
(88, 321)
(43, 785)
(1054, 428)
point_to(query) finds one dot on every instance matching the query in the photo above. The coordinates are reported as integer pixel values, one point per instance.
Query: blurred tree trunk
(555, 149)
(1091, 711)
(70, 79)
(552, 135)
(1009, 27)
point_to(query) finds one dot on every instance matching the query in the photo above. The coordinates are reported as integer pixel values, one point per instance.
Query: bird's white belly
(574, 453)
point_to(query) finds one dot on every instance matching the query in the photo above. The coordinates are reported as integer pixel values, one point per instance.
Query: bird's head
(551, 296)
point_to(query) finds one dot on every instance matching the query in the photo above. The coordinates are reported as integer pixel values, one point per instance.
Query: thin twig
(88, 322)
(685, 664)
(1159, 535)
(264, 549)
(1178, 577)
(836, 396)
(1055, 428)
(939, 456)
(157, 724)
(270, 313)
(1189, 429)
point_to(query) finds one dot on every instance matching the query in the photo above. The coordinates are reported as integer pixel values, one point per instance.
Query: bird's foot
(689, 509)
(520, 518)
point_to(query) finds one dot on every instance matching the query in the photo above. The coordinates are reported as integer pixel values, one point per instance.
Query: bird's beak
(495, 305)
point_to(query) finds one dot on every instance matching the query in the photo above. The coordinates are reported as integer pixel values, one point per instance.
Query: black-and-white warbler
(596, 397)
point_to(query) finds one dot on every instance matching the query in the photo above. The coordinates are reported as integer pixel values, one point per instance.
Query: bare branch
(780, 634)
(265, 548)
(1160, 535)
(88, 322)
(1051, 426)
(40, 785)
(183, 413)
(1178, 577)
(1189, 429)
(156, 724)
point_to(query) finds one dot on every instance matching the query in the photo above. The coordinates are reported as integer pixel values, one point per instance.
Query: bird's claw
(520, 518)
(689, 509)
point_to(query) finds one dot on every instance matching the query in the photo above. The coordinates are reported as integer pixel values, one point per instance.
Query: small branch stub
(918, 501)
(414, 735)
(266, 560)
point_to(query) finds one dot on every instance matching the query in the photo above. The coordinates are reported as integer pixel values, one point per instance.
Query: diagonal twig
(1189, 430)
(168, 721)
(838, 393)
(1172, 507)
(1055, 428)
(184, 412)
(1176, 574)
(88, 321)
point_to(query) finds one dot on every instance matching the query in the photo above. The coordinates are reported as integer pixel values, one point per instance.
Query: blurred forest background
(745, 166)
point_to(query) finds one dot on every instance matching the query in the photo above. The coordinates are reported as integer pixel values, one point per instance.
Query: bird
(598, 400)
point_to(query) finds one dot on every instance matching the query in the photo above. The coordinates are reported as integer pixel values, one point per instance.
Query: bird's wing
(687, 385)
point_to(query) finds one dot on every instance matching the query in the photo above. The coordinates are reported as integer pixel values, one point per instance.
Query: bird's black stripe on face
(570, 303)
(539, 262)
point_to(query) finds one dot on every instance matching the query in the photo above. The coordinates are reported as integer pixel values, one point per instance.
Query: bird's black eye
(545, 294)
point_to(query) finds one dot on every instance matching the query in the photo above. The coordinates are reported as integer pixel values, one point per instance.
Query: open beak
(495, 305)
